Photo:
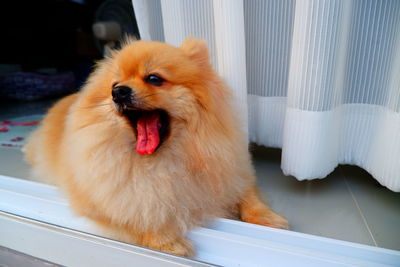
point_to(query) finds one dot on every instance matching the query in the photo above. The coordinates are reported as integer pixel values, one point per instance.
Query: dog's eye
(114, 84)
(154, 80)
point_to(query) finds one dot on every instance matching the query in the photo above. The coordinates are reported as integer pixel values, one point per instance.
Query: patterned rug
(14, 132)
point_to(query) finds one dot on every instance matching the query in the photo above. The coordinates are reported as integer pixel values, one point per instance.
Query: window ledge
(36, 220)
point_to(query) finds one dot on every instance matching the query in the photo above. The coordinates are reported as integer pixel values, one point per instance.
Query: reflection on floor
(347, 205)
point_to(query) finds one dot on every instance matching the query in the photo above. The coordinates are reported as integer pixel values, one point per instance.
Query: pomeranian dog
(151, 147)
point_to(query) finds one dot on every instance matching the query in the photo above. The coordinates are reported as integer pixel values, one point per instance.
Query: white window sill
(223, 242)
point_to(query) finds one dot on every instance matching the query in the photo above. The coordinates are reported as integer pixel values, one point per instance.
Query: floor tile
(379, 206)
(319, 207)
(12, 163)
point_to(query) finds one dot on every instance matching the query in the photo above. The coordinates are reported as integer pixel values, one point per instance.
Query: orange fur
(253, 210)
(202, 170)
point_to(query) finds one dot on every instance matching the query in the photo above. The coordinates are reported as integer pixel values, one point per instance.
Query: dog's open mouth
(150, 127)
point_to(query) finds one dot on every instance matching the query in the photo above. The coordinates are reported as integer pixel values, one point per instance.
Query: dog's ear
(197, 51)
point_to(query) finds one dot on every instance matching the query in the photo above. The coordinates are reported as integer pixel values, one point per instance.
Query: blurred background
(50, 46)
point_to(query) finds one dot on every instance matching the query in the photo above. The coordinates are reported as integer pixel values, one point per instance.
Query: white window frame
(36, 219)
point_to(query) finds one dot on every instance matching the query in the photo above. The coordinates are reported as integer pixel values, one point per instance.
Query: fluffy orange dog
(151, 147)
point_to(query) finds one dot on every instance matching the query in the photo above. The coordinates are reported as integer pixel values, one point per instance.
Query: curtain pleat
(341, 80)
(231, 51)
(149, 19)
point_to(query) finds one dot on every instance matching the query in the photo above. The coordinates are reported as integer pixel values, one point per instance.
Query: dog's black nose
(122, 94)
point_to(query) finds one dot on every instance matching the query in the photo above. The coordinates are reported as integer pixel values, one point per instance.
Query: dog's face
(154, 85)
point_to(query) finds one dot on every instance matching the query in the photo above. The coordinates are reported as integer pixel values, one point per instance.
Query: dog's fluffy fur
(201, 170)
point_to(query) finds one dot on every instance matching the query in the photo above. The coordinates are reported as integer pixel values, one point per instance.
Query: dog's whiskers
(146, 96)
(95, 106)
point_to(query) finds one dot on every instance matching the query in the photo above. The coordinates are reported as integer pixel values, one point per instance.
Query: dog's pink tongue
(148, 138)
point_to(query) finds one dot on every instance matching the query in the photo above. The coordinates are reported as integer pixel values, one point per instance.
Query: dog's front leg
(253, 210)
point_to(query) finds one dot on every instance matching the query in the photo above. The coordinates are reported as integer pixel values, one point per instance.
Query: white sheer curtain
(318, 78)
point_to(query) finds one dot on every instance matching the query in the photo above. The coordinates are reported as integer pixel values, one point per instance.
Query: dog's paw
(180, 247)
(266, 217)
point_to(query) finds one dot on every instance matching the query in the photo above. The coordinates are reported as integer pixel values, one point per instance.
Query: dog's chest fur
(149, 191)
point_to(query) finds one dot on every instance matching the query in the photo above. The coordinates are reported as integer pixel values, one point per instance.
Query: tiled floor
(347, 205)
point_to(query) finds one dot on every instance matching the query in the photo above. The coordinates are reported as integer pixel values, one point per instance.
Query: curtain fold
(318, 78)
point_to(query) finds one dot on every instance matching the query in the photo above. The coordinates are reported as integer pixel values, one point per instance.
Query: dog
(151, 147)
